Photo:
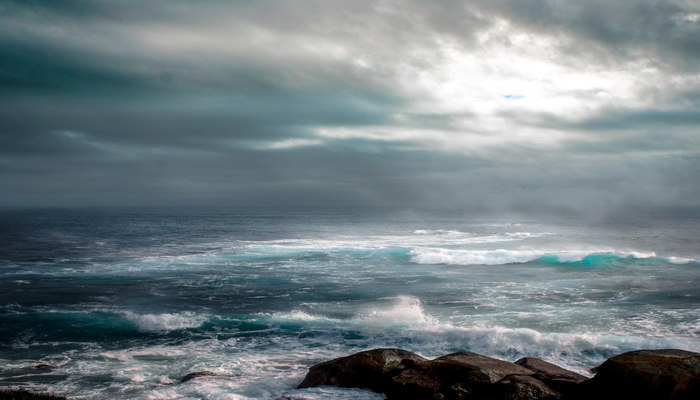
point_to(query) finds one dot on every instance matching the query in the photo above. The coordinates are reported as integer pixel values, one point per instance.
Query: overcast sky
(458, 104)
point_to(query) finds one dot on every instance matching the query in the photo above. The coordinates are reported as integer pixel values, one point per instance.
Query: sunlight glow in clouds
(470, 84)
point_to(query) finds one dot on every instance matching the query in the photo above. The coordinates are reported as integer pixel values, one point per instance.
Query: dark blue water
(124, 302)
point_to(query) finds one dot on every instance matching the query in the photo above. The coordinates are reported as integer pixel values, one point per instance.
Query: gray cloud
(444, 104)
(667, 32)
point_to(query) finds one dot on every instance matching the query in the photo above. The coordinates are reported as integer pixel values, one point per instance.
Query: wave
(503, 256)
(403, 312)
(283, 345)
(92, 323)
(405, 323)
(424, 246)
(418, 238)
(165, 322)
(406, 311)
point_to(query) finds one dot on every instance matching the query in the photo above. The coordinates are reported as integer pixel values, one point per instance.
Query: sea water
(123, 303)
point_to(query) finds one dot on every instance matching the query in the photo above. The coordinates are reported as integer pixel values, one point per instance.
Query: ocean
(123, 302)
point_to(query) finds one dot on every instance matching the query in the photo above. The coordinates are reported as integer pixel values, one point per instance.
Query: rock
(637, 375)
(646, 375)
(491, 368)
(44, 367)
(554, 376)
(371, 369)
(193, 375)
(26, 395)
(524, 387)
(454, 376)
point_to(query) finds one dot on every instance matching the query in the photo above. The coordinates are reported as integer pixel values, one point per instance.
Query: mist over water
(124, 302)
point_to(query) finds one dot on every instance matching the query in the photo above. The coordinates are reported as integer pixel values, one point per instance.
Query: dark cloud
(444, 104)
(665, 31)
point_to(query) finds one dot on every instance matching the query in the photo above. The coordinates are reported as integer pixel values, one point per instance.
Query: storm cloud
(453, 104)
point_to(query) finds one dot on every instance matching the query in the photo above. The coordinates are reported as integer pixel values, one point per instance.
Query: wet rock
(646, 375)
(371, 369)
(26, 395)
(194, 375)
(554, 376)
(524, 387)
(492, 369)
(637, 375)
(44, 367)
(454, 376)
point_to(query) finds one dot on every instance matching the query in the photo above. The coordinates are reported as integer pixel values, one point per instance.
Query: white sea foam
(263, 367)
(562, 348)
(418, 238)
(433, 336)
(472, 257)
(165, 322)
(440, 232)
(405, 311)
(680, 260)
(298, 316)
(503, 256)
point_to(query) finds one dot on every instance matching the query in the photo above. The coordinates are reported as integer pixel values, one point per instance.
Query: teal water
(124, 302)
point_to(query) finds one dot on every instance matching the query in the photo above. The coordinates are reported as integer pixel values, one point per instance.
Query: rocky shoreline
(637, 375)
(667, 374)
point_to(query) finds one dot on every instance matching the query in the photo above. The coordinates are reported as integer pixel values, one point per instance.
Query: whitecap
(437, 255)
(680, 260)
(406, 311)
(298, 315)
(472, 257)
(165, 322)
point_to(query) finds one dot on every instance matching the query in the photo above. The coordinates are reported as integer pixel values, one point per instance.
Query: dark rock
(45, 367)
(491, 368)
(556, 377)
(454, 376)
(36, 378)
(370, 369)
(524, 387)
(26, 395)
(646, 375)
(637, 375)
(423, 382)
(194, 375)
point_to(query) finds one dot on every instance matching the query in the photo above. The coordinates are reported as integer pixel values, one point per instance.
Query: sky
(435, 104)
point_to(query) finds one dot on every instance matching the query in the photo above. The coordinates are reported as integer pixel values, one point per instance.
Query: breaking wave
(432, 336)
(502, 256)
(165, 322)
(406, 311)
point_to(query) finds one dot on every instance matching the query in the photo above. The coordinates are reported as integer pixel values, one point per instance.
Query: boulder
(524, 387)
(489, 368)
(371, 369)
(646, 375)
(454, 376)
(21, 394)
(554, 376)
(637, 375)
(193, 375)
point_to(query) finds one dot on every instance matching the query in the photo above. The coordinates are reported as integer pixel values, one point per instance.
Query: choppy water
(124, 302)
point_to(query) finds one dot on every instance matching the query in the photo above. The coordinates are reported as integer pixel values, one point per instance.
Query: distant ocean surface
(124, 302)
